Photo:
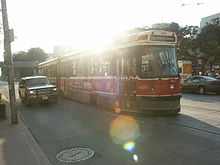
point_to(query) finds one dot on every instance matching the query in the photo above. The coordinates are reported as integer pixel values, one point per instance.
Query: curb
(37, 152)
(35, 148)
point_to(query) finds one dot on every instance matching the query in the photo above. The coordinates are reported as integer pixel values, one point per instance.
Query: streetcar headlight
(54, 89)
(172, 86)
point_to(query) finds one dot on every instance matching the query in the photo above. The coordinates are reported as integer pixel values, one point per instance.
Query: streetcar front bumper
(147, 104)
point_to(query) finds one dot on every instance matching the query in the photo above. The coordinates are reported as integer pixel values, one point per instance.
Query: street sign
(11, 35)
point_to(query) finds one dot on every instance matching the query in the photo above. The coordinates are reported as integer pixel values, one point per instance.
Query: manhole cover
(75, 155)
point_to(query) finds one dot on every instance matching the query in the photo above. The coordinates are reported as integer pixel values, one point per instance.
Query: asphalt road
(190, 138)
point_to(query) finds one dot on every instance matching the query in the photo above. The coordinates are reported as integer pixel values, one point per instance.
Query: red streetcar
(137, 73)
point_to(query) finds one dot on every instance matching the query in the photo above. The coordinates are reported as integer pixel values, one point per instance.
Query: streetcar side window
(122, 67)
(106, 67)
(52, 71)
(95, 68)
(117, 68)
(134, 66)
(128, 67)
(41, 71)
(91, 67)
(100, 66)
(74, 66)
(46, 72)
(62, 73)
(68, 69)
(82, 67)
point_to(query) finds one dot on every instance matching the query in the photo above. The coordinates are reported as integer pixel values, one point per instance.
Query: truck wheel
(26, 101)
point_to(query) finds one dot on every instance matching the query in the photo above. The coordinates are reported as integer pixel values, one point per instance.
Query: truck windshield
(37, 82)
(158, 62)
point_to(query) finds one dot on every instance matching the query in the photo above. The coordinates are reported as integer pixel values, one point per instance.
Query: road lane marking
(207, 109)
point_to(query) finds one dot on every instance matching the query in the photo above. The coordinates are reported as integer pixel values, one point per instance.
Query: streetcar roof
(144, 36)
(49, 62)
(136, 39)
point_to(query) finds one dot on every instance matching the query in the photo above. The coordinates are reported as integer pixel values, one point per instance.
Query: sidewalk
(17, 145)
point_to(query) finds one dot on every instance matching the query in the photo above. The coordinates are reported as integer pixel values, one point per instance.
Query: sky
(46, 23)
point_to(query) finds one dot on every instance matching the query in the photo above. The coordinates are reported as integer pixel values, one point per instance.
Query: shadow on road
(164, 139)
(210, 98)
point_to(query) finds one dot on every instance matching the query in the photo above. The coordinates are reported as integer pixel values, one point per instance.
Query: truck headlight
(54, 89)
(33, 92)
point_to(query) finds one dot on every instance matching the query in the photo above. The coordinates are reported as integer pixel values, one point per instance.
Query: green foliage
(185, 39)
(208, 41)
(33, 54)
(174, 27)
(20, 56)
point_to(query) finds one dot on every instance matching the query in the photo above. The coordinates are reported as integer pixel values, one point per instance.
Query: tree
(186, 47)
(33, 54)
(185, 39)
(20, 56)
(208, 42)
(37, 54)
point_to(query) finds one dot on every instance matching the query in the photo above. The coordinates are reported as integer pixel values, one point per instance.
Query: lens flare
(135, 157)
(124, 129)
(129, 146)
(117, 110)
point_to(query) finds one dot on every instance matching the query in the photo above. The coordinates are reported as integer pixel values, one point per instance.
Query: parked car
(201, 84)
(37, 89)
(218, 77)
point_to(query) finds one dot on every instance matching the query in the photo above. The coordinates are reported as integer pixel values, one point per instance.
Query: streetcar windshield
(37, 82)
(158, 62)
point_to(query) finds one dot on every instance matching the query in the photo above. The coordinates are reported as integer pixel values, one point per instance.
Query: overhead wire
(182, 4)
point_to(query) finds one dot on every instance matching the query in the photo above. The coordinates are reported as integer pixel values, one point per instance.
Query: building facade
(204, 65)
(204, 21)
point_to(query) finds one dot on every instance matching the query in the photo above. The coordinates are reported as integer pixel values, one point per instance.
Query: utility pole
(9, 64)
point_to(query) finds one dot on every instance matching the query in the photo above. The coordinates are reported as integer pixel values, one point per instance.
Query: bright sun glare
(94, 26)
(91, 39)
(85, 23)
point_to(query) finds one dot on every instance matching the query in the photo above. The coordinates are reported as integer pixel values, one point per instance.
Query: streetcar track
(207, 118)
(201, 108)
(187, 126)
(194, 128)
(173, 123)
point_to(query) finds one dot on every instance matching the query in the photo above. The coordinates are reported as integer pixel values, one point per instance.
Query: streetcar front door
(126, 85)
(131, 72)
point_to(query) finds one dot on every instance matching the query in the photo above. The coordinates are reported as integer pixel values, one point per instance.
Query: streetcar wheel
(201, 90)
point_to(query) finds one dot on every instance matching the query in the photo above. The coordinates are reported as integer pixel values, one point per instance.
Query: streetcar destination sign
(162, 38)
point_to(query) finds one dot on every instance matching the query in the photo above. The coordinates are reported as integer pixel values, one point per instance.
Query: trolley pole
(9, 64)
